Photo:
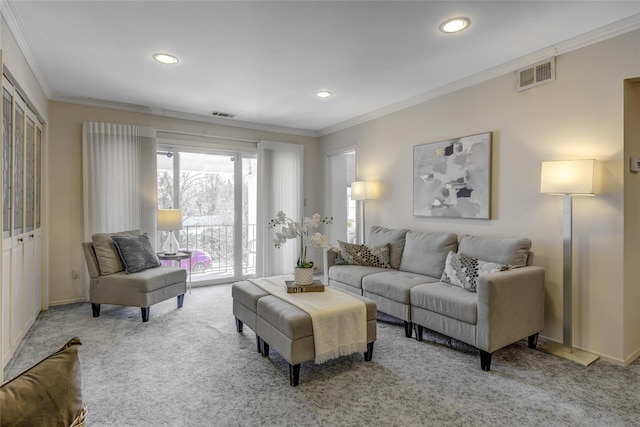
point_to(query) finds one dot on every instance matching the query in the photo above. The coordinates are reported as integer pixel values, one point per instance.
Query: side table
(177, 257)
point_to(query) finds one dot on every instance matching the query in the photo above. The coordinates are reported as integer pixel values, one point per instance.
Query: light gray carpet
(190, 367)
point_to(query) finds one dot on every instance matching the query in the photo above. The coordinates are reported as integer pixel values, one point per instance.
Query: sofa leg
(96, 309)
(369, 353)
(238, 325)
(533, 341)
(408, 329)
(294, 374)
(258, 344)
(485, 360)
(419, 331)
(145, 313)
(265, 348)
(180, 300)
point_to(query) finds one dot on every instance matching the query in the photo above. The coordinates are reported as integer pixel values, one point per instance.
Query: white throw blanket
(339, 320)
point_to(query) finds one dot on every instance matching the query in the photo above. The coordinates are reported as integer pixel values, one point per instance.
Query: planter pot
(303, 276)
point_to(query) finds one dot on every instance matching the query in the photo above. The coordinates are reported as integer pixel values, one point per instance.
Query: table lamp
(170, 220)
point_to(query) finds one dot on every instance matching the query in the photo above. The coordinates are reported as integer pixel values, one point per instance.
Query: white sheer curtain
(280, 188)
(119, 178)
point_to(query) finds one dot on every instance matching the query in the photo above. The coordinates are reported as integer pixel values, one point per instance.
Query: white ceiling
(263, 60)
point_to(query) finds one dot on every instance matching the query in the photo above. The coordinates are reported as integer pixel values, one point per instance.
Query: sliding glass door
(216, 192)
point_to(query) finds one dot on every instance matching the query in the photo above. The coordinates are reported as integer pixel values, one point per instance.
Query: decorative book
(293, 288)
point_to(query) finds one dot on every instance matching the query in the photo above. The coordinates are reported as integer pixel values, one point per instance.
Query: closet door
(21, 218)
(17, 233)
(28, 245)
(7, 213)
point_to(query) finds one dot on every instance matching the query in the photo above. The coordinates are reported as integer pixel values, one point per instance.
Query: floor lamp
(361, 191)
(170, 220)
(568, 178)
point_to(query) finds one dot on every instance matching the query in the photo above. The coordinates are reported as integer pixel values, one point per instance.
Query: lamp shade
(364, 190)
(569, 177)
(169, 219)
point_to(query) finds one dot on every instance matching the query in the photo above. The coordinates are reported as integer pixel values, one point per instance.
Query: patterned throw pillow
(374, 256)
(464, 271)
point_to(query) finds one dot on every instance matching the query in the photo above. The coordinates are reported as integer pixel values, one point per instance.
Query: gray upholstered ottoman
(289, 331)
(245, 302)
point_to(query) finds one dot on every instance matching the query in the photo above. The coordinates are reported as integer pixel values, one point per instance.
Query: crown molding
(134, 108)
(11, 17)
(623, 26)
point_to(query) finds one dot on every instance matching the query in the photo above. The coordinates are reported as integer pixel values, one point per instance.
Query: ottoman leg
(294, 374)
(238, 325)
(369, 353)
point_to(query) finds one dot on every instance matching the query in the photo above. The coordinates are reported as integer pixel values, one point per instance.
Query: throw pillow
(379, 235)
(106, 252)
(464, 271)
(49, 393)
(136, 252)
(353, 254)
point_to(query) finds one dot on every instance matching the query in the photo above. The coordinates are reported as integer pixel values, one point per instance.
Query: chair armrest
(91, 260)
(510, 306)
(329, 259)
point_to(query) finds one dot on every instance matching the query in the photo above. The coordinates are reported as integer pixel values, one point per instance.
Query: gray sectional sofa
(500, 306)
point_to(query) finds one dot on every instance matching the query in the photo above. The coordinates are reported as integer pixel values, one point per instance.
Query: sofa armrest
(329, 259)
(510, 307)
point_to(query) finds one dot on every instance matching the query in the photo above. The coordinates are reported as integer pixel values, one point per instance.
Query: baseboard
(633, 356)
(67, 301)
(608, 358)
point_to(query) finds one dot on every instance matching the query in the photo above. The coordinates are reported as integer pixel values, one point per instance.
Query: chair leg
(145, 313)
(180, 300)
(96, 309)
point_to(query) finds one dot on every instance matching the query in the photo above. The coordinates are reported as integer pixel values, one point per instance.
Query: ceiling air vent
(222, 115)
(536, 74)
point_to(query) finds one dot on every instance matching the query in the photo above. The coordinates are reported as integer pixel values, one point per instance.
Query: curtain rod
(229, 138)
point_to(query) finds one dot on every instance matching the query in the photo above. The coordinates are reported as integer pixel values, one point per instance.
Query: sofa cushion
(448, 300)
(146, 280)
(106, 252)
(352, 274)
(394, 285)
(511, 252)
(394, 237)
(353, 254)
(136, 252)
(47, 394)
(464, 271)
(425, 253)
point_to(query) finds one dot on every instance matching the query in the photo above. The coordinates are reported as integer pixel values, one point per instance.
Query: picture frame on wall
(452, 178)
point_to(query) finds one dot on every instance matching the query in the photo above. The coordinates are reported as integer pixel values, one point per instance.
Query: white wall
(580, 115)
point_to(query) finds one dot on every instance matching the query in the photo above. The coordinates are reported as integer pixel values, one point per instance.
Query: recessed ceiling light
(165, 58)
(324, 94)
(454, 25)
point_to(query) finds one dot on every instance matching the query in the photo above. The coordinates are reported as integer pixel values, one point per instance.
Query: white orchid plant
(286, 229)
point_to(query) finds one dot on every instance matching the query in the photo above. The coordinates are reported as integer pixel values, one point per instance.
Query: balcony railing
(213, 247)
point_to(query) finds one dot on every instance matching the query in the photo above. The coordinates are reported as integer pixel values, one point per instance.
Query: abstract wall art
(453, 178)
